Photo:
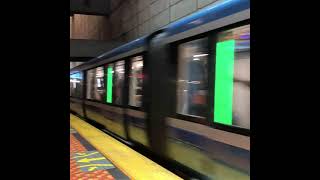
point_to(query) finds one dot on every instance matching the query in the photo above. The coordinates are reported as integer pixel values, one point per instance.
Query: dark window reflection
(95, 84)
(136, 81)
(76, 81)
(192, 78)
(118, 82)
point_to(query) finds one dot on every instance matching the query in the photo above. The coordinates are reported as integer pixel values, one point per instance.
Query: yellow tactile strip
(133, 164)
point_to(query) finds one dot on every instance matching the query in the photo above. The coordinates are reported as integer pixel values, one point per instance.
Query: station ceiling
(90, 7)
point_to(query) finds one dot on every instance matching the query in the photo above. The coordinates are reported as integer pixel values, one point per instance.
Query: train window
(118, 82)
(76, 81)
(232, 78)
(192, 78)
(95, 84)
(90, 79)
(135, 81)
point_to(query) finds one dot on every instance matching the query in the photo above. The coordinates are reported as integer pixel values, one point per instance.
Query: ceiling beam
(80, 59)
(90, 7)
(90, 48)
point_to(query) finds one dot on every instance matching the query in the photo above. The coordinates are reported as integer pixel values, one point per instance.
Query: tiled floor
(87, 163)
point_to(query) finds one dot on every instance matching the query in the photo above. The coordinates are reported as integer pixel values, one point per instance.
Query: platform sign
(223, 93)
(109, 84)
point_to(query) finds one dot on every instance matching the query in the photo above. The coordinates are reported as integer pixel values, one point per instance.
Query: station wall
(130, 19)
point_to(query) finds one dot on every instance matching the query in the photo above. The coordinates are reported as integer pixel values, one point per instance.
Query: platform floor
(88, 163)
(96, 155)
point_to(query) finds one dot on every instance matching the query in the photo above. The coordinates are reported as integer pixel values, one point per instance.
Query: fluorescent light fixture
(194, 82)
(74, 81)
(200, 55)
(139, 65)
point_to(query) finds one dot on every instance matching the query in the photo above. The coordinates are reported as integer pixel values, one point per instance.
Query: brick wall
(89, 27)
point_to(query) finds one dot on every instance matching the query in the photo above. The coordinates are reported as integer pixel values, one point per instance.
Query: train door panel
(212, 101)
(136, 124)
(158, 99)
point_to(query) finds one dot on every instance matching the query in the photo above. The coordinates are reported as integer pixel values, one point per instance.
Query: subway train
(181, 92)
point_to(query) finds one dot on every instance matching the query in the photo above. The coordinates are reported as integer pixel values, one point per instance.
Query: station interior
(160, 89)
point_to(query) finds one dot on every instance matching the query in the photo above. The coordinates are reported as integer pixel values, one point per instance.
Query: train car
(182, 92)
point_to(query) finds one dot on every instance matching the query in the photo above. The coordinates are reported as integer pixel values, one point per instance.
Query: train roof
(213, 12)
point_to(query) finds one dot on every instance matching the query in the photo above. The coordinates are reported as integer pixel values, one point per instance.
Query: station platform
(96, 155)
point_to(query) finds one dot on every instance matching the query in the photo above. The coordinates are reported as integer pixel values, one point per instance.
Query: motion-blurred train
(182, 92)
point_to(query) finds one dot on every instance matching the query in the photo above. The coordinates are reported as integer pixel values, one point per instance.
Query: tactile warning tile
(87, 163)
(72, 130)
(91, 160)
